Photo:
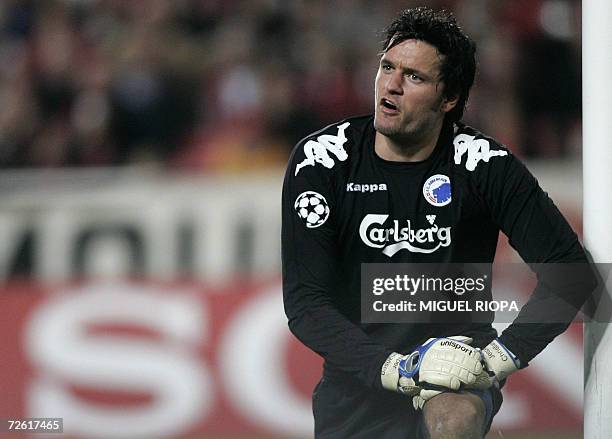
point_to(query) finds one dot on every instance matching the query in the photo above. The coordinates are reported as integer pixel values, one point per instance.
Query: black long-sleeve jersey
(343, 205)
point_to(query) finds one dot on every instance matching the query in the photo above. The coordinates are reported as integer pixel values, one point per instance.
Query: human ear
(448, 103)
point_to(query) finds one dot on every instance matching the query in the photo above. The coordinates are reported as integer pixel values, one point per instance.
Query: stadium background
(142, 145)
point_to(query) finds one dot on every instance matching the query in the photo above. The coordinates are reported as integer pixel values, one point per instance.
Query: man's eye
(386, 67)
(415, 78)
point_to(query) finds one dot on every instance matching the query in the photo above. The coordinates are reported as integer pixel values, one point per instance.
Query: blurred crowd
(232, 85)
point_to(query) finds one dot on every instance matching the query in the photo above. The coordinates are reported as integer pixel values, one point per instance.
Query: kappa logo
(374, 187)
(393, 238)
(476, 149)
(437, 190)
(318, 151)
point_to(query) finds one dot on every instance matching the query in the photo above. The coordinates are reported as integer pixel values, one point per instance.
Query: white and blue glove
(393, 380)
(447, 363)
(499, 361)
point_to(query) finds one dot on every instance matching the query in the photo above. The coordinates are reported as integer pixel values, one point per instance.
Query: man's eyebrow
(384, 60)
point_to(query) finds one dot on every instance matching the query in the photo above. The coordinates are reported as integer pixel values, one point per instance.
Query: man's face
(409, 93)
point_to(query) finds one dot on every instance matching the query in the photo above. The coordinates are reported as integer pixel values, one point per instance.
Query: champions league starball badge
(312, 208)
(437, 190)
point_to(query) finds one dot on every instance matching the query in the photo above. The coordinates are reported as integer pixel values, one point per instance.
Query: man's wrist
(389, 373)
(500, 360)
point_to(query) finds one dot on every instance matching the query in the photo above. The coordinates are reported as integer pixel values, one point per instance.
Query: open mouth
(386, 103)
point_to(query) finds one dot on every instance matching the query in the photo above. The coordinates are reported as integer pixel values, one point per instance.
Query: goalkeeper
(346, 190)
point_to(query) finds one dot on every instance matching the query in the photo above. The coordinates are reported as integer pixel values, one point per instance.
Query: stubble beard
(400, 133)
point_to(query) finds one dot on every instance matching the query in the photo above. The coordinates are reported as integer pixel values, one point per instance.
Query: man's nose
(394, 83)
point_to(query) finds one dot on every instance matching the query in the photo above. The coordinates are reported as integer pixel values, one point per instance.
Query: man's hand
(437, 364)
(449, 362)
(418, 401)
(499, 361)
(392, 379)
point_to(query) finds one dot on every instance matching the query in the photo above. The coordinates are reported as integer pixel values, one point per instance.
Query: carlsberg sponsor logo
(399, 235)
(374, 187)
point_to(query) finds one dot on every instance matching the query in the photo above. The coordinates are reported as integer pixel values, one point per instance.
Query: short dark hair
(440, 29)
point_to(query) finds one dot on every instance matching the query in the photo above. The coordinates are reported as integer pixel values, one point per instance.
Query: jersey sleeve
(542, 237)
(309, 255)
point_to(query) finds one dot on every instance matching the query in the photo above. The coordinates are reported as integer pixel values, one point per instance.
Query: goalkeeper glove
(449, 362)
(391, 378)
(438, 363)
(499, 361)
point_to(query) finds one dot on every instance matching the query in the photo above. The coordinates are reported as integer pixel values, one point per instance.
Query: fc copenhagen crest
(437, 190)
